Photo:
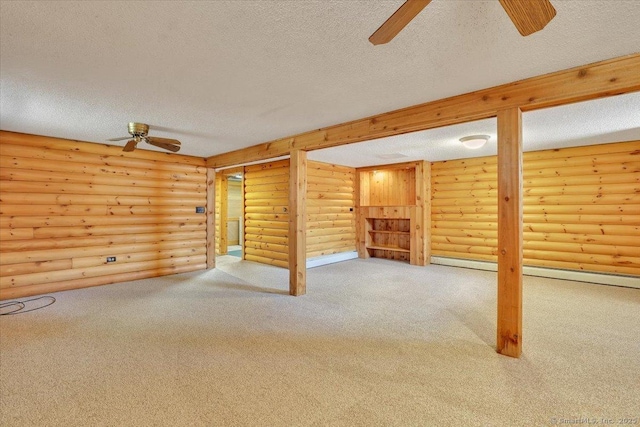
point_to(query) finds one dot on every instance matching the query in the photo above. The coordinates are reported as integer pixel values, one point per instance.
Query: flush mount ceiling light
(474, 141)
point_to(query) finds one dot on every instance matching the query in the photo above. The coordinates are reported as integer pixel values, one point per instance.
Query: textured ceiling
(601, 121)
(223, 75)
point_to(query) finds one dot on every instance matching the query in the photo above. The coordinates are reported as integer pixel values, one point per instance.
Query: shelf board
(388, 248)
(389, 232)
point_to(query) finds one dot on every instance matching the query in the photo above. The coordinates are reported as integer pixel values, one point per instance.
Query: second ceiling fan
(528, 16)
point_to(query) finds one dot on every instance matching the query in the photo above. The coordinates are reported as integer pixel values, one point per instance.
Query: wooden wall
(266, 224)
(221, 214)
(388, 186)
(234, 211)
(581, 208)
(331, 224)
(65, 206)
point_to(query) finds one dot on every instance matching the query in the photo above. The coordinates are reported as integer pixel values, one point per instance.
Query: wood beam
(606, 78)
(298, 223)
(510, 254)
(211, 218)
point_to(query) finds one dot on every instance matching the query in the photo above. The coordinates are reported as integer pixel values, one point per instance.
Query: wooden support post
(211, 218)
(361, 232)
(298, 223)
(509, 334)
(224, 214)
(421, 216)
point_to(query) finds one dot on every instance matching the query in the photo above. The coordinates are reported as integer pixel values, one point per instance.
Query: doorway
(230, 212)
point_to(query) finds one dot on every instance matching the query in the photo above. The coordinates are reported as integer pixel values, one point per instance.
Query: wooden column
(224, 214)
(298, 223)
(509, 335)
(421, 216)
(211, 218)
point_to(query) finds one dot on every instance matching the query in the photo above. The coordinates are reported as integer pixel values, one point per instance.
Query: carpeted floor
(374, 342)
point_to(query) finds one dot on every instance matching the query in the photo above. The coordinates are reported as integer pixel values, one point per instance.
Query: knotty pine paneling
(331, 223)
(388, 187)
(266, 213)
(581, 208)
(65, 206)
(221, 201)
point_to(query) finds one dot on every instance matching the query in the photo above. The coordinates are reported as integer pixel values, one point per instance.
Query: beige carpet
(373, 343)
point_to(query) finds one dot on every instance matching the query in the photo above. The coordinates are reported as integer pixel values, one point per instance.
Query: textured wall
(66, 205)
(266, 213)
(331, 224)
(581, 208)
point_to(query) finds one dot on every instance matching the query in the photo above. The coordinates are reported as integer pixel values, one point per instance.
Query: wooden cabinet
(393, 213)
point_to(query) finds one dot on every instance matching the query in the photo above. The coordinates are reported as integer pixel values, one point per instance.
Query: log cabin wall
(266, 215)
(331, 221)
(65, 206)
(581, 208)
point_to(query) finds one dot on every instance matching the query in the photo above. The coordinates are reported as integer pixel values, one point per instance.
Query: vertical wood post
(224, 214)
(509, 334)
(362, 225)
(421, 216)
(298, 223)
(242, 227)
(211, 218)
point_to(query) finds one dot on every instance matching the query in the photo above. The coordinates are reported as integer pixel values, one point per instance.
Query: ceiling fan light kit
(528, 16)
(474, 142)
(139, 133)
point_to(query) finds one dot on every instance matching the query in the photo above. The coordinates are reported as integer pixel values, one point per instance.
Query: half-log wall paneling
(330, 209)
(65, 206)
(581, 208)
(267, 213)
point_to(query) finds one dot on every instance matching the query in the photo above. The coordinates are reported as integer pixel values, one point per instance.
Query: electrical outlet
(200, 209)
(111, 259)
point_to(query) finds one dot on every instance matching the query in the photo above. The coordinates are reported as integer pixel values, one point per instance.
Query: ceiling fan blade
(131, 145)
(163, 140)
(529, 16)
(398, 21)
(119, 139)
(163, 143)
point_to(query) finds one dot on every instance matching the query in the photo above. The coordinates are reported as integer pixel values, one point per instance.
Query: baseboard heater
(330, 259)
(553, 273)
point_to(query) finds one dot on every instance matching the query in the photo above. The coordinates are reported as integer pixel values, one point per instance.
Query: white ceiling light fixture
(474, 141)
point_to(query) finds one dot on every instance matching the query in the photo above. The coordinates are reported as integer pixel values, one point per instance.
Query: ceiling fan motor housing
(139, 129)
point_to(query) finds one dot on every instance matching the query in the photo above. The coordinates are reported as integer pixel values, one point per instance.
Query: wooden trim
(211, 218)
(510, 249)
(297, 223)
(392, 166)
(598, 80)
(224, 212)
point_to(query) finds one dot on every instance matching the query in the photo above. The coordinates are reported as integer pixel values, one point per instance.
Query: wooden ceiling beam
(598, 80)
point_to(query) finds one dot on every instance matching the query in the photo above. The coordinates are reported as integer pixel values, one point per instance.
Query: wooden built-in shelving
(391, 214)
